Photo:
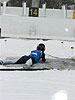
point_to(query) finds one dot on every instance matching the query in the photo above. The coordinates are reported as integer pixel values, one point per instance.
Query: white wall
(52, 13)
(20, 25)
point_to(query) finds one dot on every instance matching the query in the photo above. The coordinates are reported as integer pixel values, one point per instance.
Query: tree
(68, 2)
(50, 3)
(18, 3)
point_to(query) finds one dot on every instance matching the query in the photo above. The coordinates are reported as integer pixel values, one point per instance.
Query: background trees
(50, 3)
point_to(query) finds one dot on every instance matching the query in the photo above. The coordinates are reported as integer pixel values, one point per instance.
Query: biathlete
(34, 56)
(31, 59)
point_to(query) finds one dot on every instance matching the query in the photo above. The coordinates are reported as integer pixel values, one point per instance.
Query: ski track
(49, 64)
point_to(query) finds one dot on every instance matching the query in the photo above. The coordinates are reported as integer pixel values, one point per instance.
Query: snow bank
(19, 47)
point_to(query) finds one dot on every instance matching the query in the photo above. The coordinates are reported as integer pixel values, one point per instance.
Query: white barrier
(22, 26)
(49, 13)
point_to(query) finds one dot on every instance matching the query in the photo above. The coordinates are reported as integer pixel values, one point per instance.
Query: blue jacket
(36, 55)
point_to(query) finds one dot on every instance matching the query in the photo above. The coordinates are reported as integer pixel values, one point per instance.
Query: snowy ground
(37, 85)
(41, 84)
(59, 54)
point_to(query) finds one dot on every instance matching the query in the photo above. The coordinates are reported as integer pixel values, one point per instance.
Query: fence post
(44, 10)
(64, 11)
(0, 32)
(4, 7)
(0, 8)
(24, 9)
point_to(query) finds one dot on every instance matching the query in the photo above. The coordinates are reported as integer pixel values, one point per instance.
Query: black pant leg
(22, 60)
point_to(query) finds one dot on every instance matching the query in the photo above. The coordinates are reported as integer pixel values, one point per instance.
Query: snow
(37, 85)
(18, 47)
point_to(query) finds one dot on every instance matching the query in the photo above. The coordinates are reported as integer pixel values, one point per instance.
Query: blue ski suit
(35, 55)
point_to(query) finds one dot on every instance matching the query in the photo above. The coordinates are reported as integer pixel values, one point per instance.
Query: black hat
(41, 46)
